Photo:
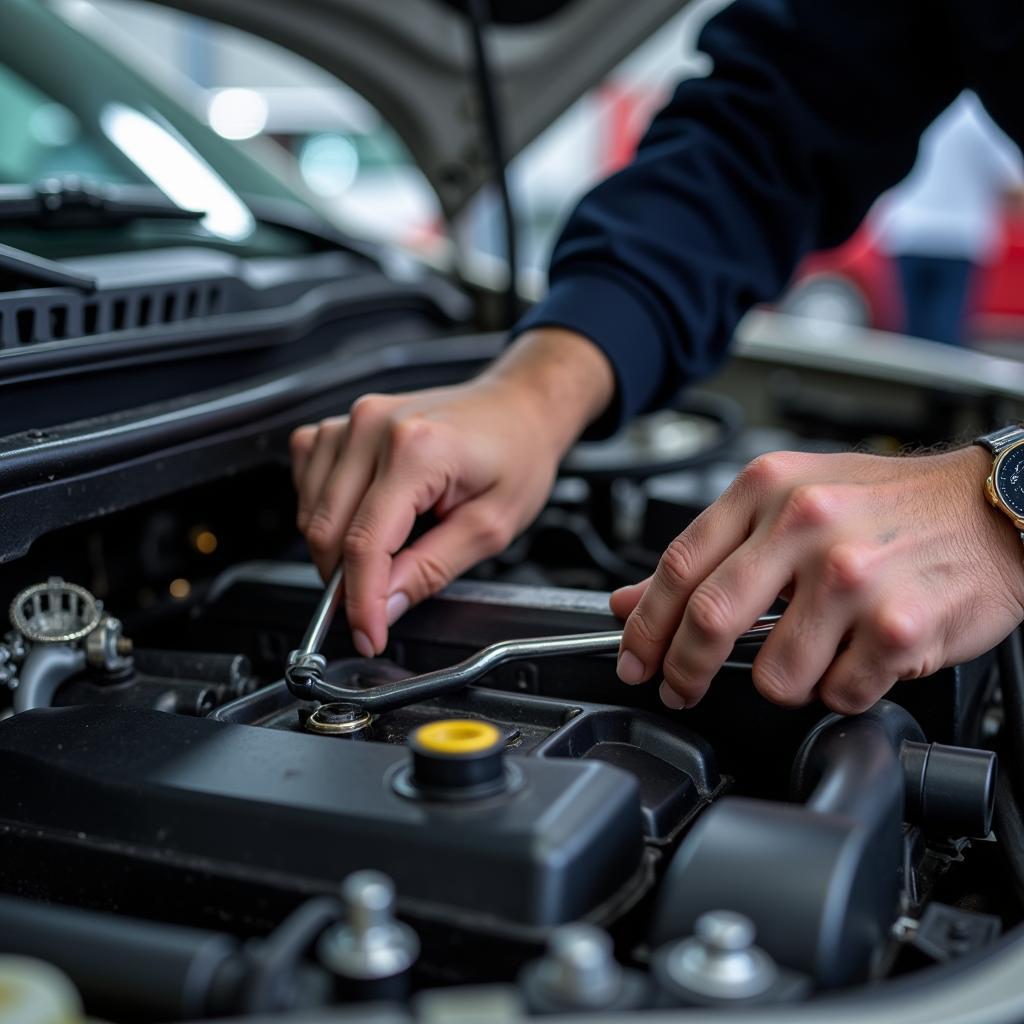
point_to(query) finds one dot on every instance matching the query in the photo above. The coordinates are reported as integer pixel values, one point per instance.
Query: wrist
(561, 379)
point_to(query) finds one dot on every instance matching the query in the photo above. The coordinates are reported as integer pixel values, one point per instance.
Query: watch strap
(999, 440)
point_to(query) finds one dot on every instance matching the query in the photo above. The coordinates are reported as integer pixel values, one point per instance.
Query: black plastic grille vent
(48, 316)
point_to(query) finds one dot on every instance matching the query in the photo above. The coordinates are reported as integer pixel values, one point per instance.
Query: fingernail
(670, 698)
(362, 644)
(397, 606)
(630, 668)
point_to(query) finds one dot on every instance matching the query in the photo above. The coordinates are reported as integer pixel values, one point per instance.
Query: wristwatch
(1004, 487)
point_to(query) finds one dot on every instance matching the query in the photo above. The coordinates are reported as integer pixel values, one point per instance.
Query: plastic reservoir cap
(457, 758)
(455, 736)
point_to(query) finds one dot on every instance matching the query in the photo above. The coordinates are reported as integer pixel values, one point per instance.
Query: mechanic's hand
(893, 568)
(482, 456)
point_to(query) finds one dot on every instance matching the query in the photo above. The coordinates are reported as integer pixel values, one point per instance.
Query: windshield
(67, 107)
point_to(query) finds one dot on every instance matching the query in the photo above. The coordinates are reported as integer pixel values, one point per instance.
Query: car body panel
(413, 61)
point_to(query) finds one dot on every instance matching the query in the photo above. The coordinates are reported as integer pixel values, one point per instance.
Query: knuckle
(775, 684)
(329, 428)
(491, 533)
(678, 563)
(359, 543)
(898, 628)
(409, 434)
(301, 438)
(709, 612)
(365, 410)
(920, 667)
(485, 529)
(766, 471)
(674, 672)
(847, 566)
(640, 628)
(433, 573)
(849, 698)
(320, 530)
(809, 505)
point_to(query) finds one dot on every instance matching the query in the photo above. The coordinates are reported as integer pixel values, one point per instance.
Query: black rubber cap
(950, 790)
(457, 756)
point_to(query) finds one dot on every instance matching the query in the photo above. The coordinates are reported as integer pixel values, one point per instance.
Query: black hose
(479, 17)
(1009, 830)
(1010, 657)
(46, 668)
(1009, 825)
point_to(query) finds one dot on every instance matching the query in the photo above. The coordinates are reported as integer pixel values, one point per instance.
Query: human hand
(482, 456)
(893, 569)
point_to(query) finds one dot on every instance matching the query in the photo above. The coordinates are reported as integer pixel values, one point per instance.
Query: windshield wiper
(73, 202)
(20, 270)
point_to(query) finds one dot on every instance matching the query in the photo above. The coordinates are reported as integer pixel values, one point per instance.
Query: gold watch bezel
(990, 486)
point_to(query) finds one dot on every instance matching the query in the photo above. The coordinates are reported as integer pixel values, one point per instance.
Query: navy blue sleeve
(814, 107)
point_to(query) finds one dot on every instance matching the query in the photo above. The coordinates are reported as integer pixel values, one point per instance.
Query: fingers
(706, 543)
(469, 534)
(797, 652)
(301, 444)
(340, 495)
(378, 529)
(856, 680)
(892, 642)
(721, 607)
(333, 472)
(625, 599)
(319, 459)
(410, 481)
(820, 615)
(709, 539)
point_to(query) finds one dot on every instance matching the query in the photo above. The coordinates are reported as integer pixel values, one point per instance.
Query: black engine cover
(295, 811)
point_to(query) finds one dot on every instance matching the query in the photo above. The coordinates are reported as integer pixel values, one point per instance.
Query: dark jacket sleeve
(813, 108)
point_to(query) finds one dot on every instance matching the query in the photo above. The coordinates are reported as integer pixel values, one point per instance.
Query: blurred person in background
(943, 221)
(892, 567)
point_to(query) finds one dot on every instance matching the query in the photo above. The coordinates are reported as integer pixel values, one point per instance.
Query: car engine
(201, 817)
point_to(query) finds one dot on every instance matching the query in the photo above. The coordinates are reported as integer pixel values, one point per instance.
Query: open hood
(412, 59)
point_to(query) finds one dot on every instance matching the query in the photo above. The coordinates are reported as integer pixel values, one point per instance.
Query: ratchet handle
(316, 632)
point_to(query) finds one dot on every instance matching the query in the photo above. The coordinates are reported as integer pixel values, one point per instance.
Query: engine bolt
(371, 953)
(580, 969)
(721, 960)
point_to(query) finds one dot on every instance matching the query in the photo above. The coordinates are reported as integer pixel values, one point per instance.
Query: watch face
(1009, 479)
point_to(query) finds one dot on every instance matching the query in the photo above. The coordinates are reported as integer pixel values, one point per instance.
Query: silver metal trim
(999, 440)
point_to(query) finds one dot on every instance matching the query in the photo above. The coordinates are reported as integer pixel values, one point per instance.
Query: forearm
(738, 176)
(561, 378)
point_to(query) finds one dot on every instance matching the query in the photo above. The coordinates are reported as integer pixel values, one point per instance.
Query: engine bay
(186, 836)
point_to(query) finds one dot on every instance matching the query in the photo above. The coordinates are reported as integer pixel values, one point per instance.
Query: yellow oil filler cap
(457, 758)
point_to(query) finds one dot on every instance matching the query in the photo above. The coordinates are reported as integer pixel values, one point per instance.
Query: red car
(857, 283)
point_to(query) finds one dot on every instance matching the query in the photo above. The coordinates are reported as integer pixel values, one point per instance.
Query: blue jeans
(935, 290)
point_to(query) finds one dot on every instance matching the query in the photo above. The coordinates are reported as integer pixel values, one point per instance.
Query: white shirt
(950, 203)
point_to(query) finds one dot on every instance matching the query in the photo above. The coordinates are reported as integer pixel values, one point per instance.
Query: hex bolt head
(580, 967)
(720, 960)
(725, 931)
(369, 898)
(371, 944)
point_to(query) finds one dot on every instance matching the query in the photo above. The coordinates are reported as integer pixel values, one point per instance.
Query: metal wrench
(304, 675)
(308, 657)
